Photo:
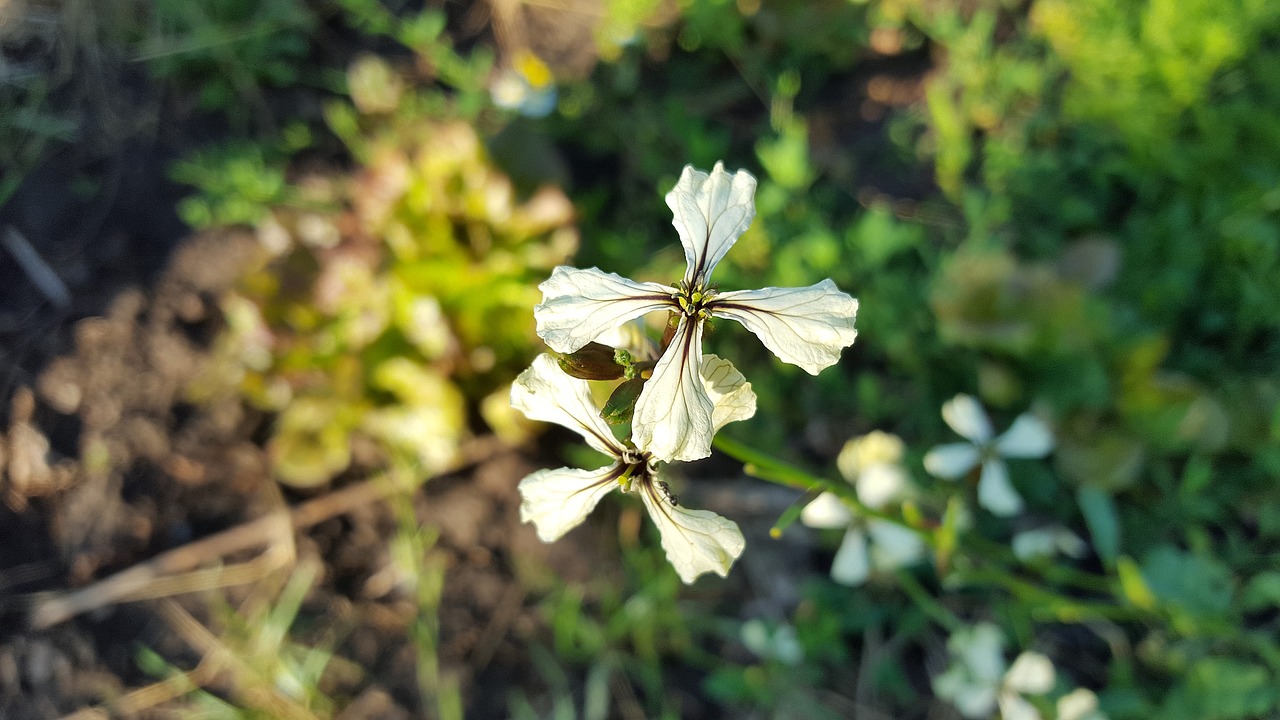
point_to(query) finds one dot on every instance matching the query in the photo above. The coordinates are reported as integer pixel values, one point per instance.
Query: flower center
(694, 298)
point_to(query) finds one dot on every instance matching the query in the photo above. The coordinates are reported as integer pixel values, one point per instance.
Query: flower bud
(593, 361)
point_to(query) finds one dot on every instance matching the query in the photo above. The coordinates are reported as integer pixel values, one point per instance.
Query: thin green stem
(927, 602)
(767, 467)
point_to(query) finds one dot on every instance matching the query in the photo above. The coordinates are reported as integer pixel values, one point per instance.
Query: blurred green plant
(229, 51)
(253, 667)
(375, 329)
(1103, 249)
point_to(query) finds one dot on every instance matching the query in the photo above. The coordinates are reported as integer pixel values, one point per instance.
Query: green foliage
(237, 183)
(384, 326)
(228, 50)
(1101, 247)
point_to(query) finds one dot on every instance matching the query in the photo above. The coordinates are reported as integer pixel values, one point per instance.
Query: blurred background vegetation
(1068, 206)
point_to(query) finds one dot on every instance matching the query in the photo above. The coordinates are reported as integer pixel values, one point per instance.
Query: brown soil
(108, 466)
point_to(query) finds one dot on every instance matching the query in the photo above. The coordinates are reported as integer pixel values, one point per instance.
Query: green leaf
(1220, 689)
(1262, 592)
(1200, 585)
(1104, 525)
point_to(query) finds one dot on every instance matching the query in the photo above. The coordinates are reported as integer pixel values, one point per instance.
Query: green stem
(767, 467)
(926, 602)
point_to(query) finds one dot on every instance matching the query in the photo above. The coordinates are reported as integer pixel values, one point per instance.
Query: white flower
(871, 463)
(977, 682)
(1079, 704)
(1028, 437)
(527, 86)
(779, 644)
(1042, 543)
(556, 501)
(803, 326)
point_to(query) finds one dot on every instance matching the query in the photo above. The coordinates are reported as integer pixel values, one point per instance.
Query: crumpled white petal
(1027, 437)
(1079, 704)
(851, 565)
(965, 415)
(995, 492)
(580, 305)
(545, 392)
(556, 501)
(880, 484)
(696, 541)
(806, 326)
(729, 391)
(893, 546)
(875, 448)
(1031, 673)
(826, 512)
(952, 460)
(1015, 707)
(710, 212)
(673, 416)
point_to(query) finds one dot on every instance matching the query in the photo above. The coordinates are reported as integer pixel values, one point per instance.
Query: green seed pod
(593, 361)
(622, 403)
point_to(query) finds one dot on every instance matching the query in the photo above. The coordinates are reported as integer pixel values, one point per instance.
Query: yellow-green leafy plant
(389, 302)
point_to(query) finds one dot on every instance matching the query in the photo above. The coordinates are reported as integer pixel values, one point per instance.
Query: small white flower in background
(1079, 704)
(873, 464)
(673, 417)
(977, 681)
(527, 86)
(1044, 542)
(556, 501)
(1028, 437)
(1031, 674)
(778, 644)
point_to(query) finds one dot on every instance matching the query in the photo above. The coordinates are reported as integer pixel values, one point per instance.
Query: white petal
(556, 501)
(965, 415)
(696, 541)
(545, 392)
(979, 648)
(630, 336)
(880, 484)
(1027, 437)
(951, 461)
(1079, 704)
(826, 512)
(1014, 707)
(875, 448)
(973, 699)
(673, 417)
(1034, 544)
(1031, 673)
(893, 546)
(580, 305)
(995, 492)
(1044, 542)
(729, 391)
(806, 326)
(710, 212)
(851, 565)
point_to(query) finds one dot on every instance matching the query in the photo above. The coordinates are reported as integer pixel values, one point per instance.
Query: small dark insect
(666, 490)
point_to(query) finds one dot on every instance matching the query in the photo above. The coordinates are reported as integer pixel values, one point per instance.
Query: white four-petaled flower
(673, 416)
(1028, 437)
(873, 464)
(556, 501)
(977, 680)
